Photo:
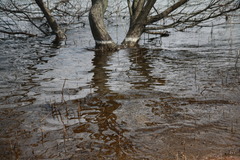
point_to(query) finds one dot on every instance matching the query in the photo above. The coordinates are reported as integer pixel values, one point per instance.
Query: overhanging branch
(185, 19)
(165, 13)
(17, 33)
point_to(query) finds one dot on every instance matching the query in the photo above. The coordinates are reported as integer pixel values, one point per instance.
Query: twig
(16, 33)
(30, 19)
(63, 90)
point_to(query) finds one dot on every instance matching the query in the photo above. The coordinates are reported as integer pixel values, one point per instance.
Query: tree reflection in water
(101, 134)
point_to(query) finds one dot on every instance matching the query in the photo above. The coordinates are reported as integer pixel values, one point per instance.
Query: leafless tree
(32, 18)
(154, 16)
(150, 16)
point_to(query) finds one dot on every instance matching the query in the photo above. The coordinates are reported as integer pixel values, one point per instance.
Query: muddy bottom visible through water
(171, 99)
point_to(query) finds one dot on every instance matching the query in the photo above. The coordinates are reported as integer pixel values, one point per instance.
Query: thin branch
(187, 20)
(165, 13)
(130, 8)
(16, 33)
(161, 33)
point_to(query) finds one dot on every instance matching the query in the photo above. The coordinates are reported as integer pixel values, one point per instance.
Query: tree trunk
(96, 18)
(51, 21)
(140, 10)
(133, 35)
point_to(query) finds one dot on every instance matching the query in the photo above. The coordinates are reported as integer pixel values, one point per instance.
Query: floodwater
(173, 98)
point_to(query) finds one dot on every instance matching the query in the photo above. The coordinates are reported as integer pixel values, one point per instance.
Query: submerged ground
(173, 98)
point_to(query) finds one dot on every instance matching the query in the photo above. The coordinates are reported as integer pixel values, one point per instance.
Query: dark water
(173, 98)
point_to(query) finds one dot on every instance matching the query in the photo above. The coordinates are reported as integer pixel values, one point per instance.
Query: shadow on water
(179, 101)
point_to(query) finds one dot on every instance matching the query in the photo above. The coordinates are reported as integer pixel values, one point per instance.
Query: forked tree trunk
(139, 13)
(139, 19)
(99, 32)
(51, 21)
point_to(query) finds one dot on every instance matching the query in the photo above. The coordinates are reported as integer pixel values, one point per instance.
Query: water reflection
(100, 72)
(100, 132)
(142, 68)
(18, 74)
(180, 102)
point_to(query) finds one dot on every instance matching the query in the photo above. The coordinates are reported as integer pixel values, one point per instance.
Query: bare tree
(17, 17)
(146, 16)
(150, 16)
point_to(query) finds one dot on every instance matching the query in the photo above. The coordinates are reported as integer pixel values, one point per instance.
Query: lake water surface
(175, 97)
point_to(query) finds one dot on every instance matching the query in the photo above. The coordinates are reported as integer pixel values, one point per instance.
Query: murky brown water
(175, 98)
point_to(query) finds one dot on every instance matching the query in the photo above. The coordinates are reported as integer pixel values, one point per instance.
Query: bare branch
(130, 8)
(51, 20)
(15, 33)
(165, 13)
(187, 18)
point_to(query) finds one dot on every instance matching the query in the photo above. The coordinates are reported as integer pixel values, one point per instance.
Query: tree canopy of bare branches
(156, 16)
(39, 17)
(145, 16)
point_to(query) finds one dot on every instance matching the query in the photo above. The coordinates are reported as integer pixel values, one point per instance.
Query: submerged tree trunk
(133, 35)
(51, 21)
(141, 18)
(99, 32)
(139, 11)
